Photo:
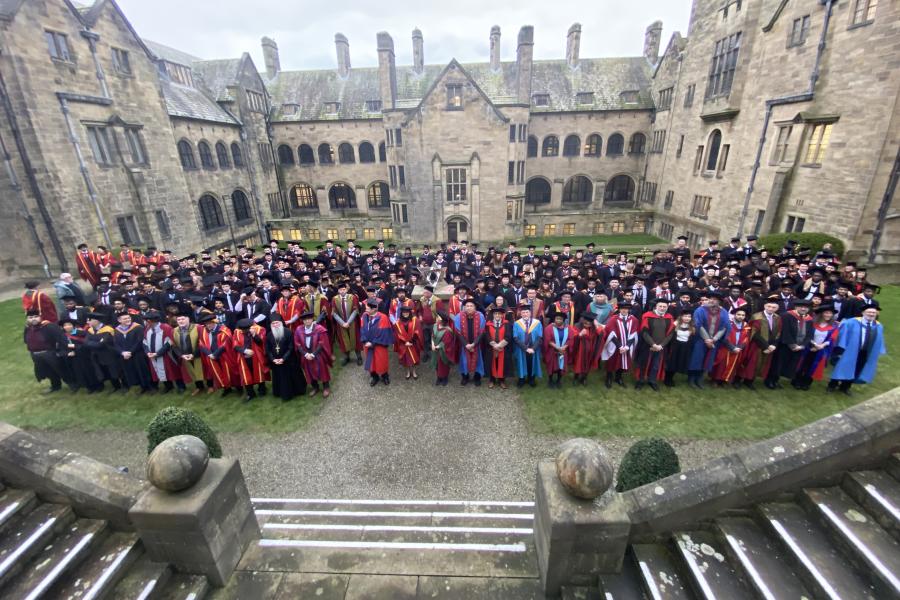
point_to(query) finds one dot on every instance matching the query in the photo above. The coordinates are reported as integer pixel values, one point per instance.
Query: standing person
(855, 357)
(528, 335)
(88, 267)
(47, 344)
(250, 352)
(288, 380)
(733, 352)
(345, 314)
(498, 336)
(679, 355)
(66, 286)
(656, 332)
(584, 348)
(290, 307)
(443, 345)
(216, 347)
(429, 306)
(796, 332)
(36, 300)
(817, 353)
(469, 328)
(158, 344)
(129, 343)
(408, 340)
(185, 341)
(619, 341)
(314, 351)
(377, 336)
(765, 332)
(99, 343)
(557, 349)
(711, 324)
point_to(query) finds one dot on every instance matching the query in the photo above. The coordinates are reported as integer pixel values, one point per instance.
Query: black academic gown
(136, 369)
(287, 379)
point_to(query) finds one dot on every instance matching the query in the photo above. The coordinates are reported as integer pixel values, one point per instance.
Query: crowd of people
(241, 321)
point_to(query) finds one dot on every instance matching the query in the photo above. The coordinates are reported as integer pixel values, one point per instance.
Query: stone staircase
(46, 551)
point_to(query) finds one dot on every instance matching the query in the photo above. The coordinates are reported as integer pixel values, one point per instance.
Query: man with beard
(345, 314)
(376, 336)
(528, 335)
(408, 340)
(47, 344)
(657, 329)
(796, 332)
(314, 350)
(711, 323)
(619, 341)
(287, 377)
(185, 340)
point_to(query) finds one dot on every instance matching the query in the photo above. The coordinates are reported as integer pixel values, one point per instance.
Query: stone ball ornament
(177, 463)
(583, 468)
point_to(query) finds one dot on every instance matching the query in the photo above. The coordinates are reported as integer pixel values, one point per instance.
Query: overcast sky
(304, 30)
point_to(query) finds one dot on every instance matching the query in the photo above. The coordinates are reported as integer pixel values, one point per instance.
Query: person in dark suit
(254, 308)
(73, 312)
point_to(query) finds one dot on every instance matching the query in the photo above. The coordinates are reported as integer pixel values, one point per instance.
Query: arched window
(303, 196)
(532, 146)
(236, 156)
(211, 213)
(551, 146)
(638, 142)
(537, 191)
(305, 155)
(326, 154)
(715, 142)
(206, 159)
(382, 153)
(341, 195)
(222, 155)
(366, 153)
(379, 195)
(593, 145)
(619, 189)
(285, 155)
(186, 154)
(345, 154)
(572, 146)
(615, 145)
(578, 189)
(241, 205)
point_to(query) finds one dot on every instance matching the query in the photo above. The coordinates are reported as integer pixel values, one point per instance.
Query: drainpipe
(92, 38)
(781, 101)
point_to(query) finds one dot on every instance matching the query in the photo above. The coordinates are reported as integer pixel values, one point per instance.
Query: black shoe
(638, 385)
(224, 393)
(166, 390)
(770, 385)
(847, 392)
(736, 385)
(699, 384)
(830, 390)
(445, 381)
(620, 382)
(477, 381)
(51, 390)
(437, 381)
(669, 383)
(520, 383)
(609, 383)
(346, 361)
(653, 386)
(464, 380)
(359, 361)
(749, 385)
(374, 381)
(532, 383)
(386, 379)
(261, 389)
(246, 399)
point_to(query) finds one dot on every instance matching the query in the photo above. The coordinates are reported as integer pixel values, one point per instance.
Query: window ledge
(708, 174)
(858, 25)
(811, 166)
(63, 63)
(454, 108)
(615, 155)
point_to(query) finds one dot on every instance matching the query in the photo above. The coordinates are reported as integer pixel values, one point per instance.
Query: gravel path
(410, 440)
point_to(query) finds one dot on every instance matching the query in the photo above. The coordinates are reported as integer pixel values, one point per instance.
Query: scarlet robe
(470, 361)
(41, 302)
(728, 363)
(500, 364)
(408, 332)
(88, 269)
(584, 349)
(619, 333)
(290, 308)
(555, 361)
(377, 331)
(252, 370)
(217, 349)
(316, 342)
(455, 306)
(164, 359)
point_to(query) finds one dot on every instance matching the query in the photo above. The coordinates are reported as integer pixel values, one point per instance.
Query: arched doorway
(457, 229)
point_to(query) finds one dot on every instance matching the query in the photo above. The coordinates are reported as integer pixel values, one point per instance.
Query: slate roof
(192, 103)
(216, 76)
(170, 54)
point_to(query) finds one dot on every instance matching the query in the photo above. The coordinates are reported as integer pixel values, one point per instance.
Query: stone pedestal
(442, 291)
(576, 539)
(203, 529)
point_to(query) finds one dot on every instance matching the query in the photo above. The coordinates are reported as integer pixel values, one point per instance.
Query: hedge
(648, 460)
(173, 421)
(814, 241)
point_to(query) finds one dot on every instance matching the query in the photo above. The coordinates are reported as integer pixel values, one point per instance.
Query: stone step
(99, 574)
(338, 504)
(708, 569)
(659, 574)
(879, 494)
(820, 565)
(430, 534)
(26, 535)
(623, 585)
(182, 586)
(15, 502)
(869, 546)
(765, 566)
(144, 581)
(61, 556)
(565, 593)
(400, 518)
(892, 466)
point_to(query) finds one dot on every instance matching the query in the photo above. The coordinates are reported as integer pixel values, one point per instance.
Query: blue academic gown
(536, 339)
(850, 338)
(464, 367)
(702, 358)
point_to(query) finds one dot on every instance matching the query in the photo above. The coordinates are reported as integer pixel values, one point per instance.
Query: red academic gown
(290, 308)
(728, 364)
(41, 302)
(217, 349)
(408, 331)
(88, 268)
(500, 362)
(620, 332)
(445, 356)
(317, 342)
(379, 332)
(756, 362)
(252, 370)
(172, 369)
(584, 349)
(551, 356)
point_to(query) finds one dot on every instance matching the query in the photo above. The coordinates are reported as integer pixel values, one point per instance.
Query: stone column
(556, 194)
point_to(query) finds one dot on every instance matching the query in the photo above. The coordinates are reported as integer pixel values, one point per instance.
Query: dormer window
(454, 95)
(541, 99)
(629, 96)
(584, 97)
(373, 106)
(179, 74)
(290, 109)
(256, 101)
(332, 108)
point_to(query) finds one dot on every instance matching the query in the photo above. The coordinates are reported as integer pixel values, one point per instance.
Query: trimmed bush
(172, 421)
(646, 461)
(814, 241)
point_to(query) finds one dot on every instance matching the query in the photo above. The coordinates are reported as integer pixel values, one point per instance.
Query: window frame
(121, 61)
(611, 146)
(61, 52)
(245, 213)
(237, 155)
(210, 208)
(578, 189)
(128, 229)
(531, 194)
(456, 179)
(455, 100)
(797, 35)
(100, 144)
(550, 146)
(820, 143)
(206, 158)
(723, 66)
(136, 147)
(867, 12)
(308, 201)
(378, 195)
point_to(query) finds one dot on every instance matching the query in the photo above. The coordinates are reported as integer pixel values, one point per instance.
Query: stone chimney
(270, 56)
(343, 54)
(418, 51)
(387, 70)
(524, 59)
(495, 48)
(652, 38)
(573, 45)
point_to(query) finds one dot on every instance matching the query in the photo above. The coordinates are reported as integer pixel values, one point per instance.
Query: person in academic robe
(408, 340)
(216, 346)
(158, 344)
(290, 306)
(620, 338)
(443, 345)
(316, 302)
(88, 268)
(457, 300)
(656, 332)
(129, 343)
(346, 318)
(185, 350)
(796, 333)
(528, 337)
(733, 350)
(711, 323)
(47, 344)
(77, 365)
(429, 305)
(584, 347)
(678, 356)
(855, 356)
(288, 380)
(376, 335)
(399, 301)
(313, 347)
(765, 333)
(557, 349)
(566, 306)
(73, 312)
(250, 352)
(497, 339)
(818, 351)
(98, 342)
(469, 327)
(36, 300)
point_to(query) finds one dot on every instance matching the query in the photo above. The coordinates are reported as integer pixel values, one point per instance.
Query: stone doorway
(457, 229)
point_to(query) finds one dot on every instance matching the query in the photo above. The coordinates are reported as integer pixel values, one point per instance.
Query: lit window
(863, 12)
(296, 234)
(530, 230)
(598, 228)
(314, 234)
(368, 233)
(387, 233)
(454, 95)
(332, 234)
(818, 143)
(350, 233)
(618, 227)
(569, 229)
(549, 229)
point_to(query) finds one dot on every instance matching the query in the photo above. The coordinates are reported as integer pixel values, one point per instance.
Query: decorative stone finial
(583, 468)
(177, 463)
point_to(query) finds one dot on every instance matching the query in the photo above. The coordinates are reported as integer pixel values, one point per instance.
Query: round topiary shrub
(174, 421)
(646, 461)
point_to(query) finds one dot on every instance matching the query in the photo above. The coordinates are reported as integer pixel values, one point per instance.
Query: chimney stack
(573, 45)
(495, 48)
(343, 54)
(418, 51)
(387, 70)
(652, 38)
(524, 59)
(270, 56)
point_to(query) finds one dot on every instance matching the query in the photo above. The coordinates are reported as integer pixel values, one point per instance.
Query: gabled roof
(191, 103)
(170, 54)
(454, 64)
(677, 44)
(217, 75)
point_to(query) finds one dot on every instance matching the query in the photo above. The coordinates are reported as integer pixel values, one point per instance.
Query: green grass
(610, 242)
(714, 413)
(23, 405)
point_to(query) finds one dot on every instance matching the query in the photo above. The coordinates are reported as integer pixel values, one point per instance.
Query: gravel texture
(409, 440)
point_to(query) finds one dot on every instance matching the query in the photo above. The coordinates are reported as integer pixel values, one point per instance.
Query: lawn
(594, 411)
